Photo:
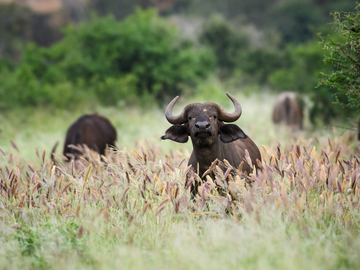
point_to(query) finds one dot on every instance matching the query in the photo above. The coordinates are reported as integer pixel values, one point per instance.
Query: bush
(139, 56)
(295, 20)
(211, 90)
(111, 90)
(226, 43)
(143, 45)
(259, 63)
(344, 56)
(15, 28)
(301, 68)
(301, 74)
(22, 88)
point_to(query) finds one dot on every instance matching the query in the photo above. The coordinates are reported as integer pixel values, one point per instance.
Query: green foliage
(119, 8)
(233, 52)
(226, 42)
(259, 63)
(22, 88)
(300, 69)
(298, 14)
(113, 89)
(140, 56)
(31, 241)
(344, 56)
(301, 73)
(15, 28)
(295, 19)
(255, 11)
(210, 91)
(297, 67)
(331, 5)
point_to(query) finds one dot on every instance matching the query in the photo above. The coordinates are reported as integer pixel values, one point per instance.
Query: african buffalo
(211, 138)
(288, 109)
(92, 130)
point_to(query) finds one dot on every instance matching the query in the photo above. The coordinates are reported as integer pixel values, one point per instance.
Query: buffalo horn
(230, 117)
(180, 119)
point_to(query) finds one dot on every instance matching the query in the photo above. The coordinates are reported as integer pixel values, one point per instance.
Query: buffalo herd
(206, 125)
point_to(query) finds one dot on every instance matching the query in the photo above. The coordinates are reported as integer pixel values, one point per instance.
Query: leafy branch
(344, 57)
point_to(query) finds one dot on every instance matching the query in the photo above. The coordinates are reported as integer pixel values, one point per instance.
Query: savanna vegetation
(300, 211)
(130, 208)
(344, 57)
(141, 54)
(140, 57)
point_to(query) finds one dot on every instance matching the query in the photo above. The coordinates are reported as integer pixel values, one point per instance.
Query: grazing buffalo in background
(287, 109)
(93, 130)
(211, 138)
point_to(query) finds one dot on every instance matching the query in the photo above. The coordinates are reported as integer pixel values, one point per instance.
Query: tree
(226, 42)
(139, 58)
(15, 29)
(300, 73)
(344, 56)
(295, 20)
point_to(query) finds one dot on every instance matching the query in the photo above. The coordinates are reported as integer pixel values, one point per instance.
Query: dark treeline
(110, 51)
(292, 18)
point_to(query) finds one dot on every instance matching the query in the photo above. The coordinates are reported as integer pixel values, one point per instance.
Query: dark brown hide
(210, 137)
(288, 110)
(94, 131)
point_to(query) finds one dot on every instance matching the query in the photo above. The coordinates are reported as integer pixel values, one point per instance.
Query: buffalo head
(203, 122)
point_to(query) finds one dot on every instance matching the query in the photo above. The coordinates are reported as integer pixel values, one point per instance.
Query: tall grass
(299, 212)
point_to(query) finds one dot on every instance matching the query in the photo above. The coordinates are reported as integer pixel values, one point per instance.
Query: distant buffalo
(288, 110)
(94, 131)
(211, 138)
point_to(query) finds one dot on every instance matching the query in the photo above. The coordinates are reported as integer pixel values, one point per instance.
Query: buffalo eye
(214, 117)
(190, 117)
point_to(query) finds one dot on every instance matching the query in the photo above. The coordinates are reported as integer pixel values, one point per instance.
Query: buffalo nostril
(204, 125)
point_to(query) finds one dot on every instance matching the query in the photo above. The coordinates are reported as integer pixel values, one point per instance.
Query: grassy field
(300, 212)
(41, 127)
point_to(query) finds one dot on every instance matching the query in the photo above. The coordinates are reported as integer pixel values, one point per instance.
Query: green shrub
(258, 63)
(140, 56)
(22, 88)
(15, 29)
(226, 42)
(211, 91)
(143, 45)
(301, 68)
(344, 56)
(296, 19)
(111, 90)
(301, 74)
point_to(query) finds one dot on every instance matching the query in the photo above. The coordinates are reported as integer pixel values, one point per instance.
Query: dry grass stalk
(67, 186)
(293, 182)
(86, 177)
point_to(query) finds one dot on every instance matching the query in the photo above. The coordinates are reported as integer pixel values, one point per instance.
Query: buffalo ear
(177, 133)
(230, 133)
